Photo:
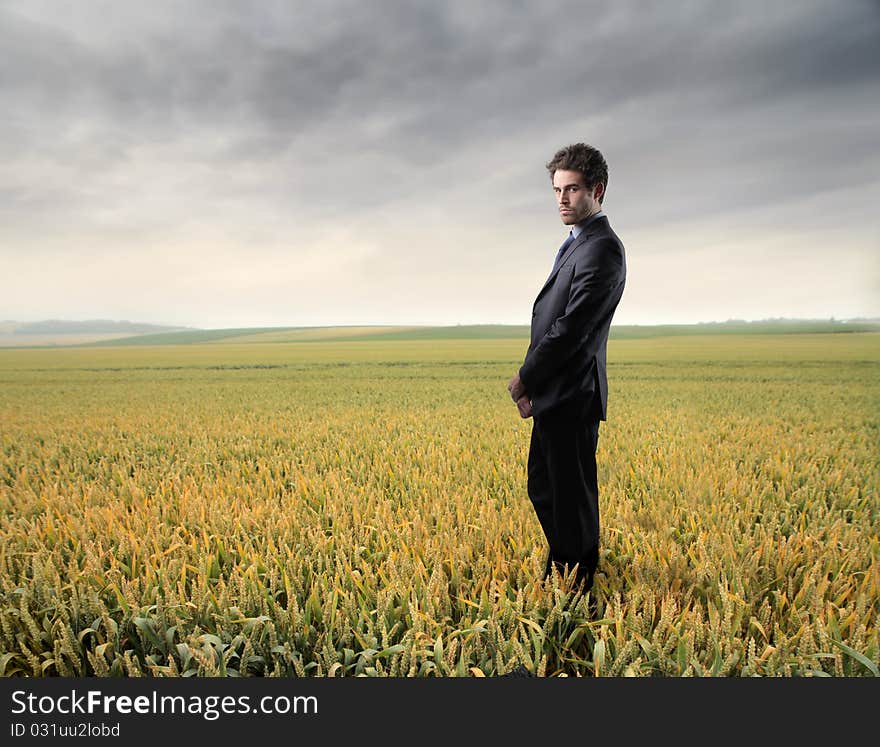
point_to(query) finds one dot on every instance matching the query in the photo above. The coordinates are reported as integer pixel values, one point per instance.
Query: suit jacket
(565, 362)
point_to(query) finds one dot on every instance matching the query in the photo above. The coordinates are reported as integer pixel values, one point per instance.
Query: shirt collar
(578, 227)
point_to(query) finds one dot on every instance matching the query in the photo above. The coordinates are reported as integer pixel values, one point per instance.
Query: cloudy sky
(323, 162)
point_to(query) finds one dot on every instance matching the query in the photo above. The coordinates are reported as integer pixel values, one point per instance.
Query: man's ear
(599, 192)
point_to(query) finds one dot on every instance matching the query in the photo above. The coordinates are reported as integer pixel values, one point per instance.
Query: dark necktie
(565, 245)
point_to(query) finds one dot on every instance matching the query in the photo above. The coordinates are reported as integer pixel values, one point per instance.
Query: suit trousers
(563, 487)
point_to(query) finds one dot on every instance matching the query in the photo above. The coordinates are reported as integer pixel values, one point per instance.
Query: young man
(562, 381)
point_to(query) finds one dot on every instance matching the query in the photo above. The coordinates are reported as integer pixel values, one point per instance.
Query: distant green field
(328, 334)
(486, 332)
(58, 338)
(334, 507)
(227, 354)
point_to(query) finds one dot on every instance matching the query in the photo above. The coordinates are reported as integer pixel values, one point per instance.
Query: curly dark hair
(583, 158)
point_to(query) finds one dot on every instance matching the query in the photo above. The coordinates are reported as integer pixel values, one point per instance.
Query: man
(562, 382)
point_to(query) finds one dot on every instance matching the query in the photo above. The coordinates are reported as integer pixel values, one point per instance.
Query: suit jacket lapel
(590, 230)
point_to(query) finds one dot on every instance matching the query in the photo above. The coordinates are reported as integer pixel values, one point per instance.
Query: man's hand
(516, 388)
(524, 405)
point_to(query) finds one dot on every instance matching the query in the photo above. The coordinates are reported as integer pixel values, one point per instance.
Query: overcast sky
(225, 164)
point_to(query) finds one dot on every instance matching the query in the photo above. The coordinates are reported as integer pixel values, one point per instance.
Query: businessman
(562, 382)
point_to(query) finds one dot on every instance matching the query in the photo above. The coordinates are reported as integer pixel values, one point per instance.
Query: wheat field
(358, 507)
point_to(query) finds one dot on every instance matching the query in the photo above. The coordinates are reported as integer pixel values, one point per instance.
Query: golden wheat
(359, 508)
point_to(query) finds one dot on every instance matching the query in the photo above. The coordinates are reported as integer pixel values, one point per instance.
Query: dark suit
(565, 378)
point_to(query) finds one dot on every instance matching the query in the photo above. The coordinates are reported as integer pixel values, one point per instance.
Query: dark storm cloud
(420, 80)
(286, 69)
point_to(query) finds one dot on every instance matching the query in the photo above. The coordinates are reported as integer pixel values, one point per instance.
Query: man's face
(576, 202)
